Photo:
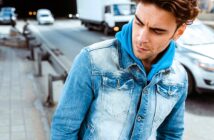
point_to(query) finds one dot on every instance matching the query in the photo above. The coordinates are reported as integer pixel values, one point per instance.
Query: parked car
(8, 15)
(8, 9)
(44, 16)
(195, 51)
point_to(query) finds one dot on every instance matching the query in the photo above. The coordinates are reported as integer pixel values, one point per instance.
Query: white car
(195, 51)
(44, 16)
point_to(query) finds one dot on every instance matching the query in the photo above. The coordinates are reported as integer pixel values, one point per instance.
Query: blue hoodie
(125, 38)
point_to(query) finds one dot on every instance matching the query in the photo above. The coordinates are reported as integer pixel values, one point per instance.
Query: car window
(6, 14)
(44, 15)
(108, 9)
(124, 9)
(197, 34)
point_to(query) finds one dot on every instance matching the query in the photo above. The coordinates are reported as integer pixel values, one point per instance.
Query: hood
(125, 38)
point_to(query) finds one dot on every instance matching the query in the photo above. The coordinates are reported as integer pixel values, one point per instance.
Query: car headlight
(13, 18)
(203, 62)
(207, 66)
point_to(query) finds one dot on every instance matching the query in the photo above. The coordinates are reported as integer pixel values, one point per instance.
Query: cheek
(161, 47)
(134, 37)
(135, 32)
(159, 42)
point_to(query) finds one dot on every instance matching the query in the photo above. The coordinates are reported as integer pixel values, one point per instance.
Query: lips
(142, 49)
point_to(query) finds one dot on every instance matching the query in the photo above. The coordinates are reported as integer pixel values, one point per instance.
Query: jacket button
(139, 118)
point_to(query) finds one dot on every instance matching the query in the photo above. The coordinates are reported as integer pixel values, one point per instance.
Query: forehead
(154, 16)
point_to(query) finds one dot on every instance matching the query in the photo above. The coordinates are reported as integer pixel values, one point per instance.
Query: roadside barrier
(31, 42)
(53, 56)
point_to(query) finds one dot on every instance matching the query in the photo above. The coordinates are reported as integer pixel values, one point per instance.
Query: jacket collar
(126, 62)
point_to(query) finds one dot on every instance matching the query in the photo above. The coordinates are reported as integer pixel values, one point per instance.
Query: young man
(130, 87)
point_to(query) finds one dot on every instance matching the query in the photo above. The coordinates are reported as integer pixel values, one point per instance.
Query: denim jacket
(107, 97)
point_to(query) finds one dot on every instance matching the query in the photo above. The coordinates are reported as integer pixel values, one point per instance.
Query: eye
(158, 32)
(138, 23)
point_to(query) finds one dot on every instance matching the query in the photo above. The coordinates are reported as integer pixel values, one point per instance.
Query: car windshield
(197, 34)
(6, 14)
(9, 9)
(124, 9)
(45, 15)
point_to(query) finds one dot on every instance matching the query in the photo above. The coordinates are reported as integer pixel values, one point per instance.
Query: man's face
(153, 28)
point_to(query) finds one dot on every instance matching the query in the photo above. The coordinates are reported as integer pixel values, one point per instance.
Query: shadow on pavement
(201, 104)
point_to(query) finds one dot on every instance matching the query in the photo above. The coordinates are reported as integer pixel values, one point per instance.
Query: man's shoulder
(179, 71)
(104, 55)
(101, 45)
(178, 67)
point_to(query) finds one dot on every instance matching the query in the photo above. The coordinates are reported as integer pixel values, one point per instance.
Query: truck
(106, 15)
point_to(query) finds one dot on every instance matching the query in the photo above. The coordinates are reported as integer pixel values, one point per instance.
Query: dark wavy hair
(185, 11)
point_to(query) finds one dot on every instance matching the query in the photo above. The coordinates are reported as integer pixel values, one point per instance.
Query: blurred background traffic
(52, 33)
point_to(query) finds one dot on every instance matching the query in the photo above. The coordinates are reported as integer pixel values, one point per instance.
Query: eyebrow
(153, 28)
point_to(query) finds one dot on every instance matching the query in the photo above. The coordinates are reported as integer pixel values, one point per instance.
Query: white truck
(106, 15)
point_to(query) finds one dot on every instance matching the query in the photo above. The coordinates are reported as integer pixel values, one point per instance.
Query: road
(70, 37)
(199, 117)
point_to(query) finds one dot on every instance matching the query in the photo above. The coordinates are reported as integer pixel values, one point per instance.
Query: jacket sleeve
(173, 126)
(75, 100)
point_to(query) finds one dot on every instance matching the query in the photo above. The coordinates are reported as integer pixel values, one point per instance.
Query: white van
(44, 16)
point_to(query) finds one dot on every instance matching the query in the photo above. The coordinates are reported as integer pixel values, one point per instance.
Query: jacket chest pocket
(116, 96)
(166, 98)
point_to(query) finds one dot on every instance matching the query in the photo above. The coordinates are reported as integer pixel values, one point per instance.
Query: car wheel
(191, 83)
(89, 27)
(106, 30)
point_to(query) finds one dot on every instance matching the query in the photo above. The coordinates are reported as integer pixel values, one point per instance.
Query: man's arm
(173, 126)
(75, 100)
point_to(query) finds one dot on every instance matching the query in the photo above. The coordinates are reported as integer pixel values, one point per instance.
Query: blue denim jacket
(106, 97)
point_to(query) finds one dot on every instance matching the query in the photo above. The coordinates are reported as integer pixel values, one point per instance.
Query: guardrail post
(32, 49)
(39, 62)
(27, 41)
(32, 52)
(50, 102)
(41, 56)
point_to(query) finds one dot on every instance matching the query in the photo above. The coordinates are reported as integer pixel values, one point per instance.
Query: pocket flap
(118, 83)
(168, 90)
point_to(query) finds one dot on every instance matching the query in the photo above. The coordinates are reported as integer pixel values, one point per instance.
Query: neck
(147, 66)
(148, 63)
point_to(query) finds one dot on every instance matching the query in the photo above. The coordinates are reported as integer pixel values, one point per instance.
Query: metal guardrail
(29, 37)
(53, 57)
(32, 46)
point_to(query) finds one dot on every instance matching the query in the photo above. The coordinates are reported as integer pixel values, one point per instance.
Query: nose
(143, 35)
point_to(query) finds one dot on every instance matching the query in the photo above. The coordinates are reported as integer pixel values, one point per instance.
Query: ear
(179, 31)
